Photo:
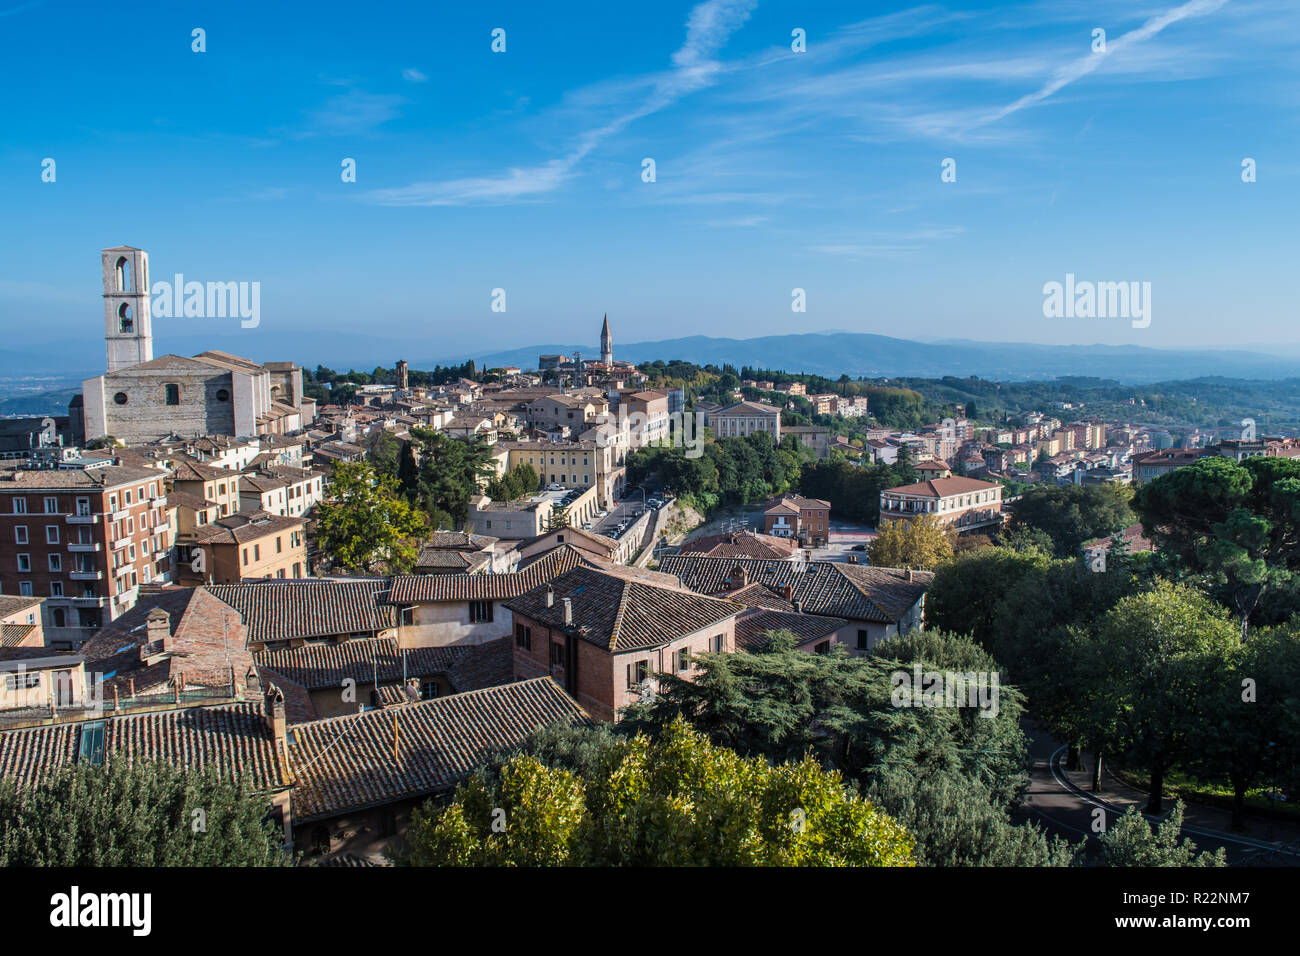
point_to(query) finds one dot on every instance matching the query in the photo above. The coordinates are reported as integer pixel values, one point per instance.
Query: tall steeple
(606, 343)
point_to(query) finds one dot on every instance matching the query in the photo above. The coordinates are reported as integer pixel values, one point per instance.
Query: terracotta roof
(13, 635)
(460, 541)
(429, 588)
(319, 666)
(753, 630)
(744, 544)
(16, 603)
(245, 527)
(288, 610)
(381, 756)
(437, 560)
(620, 612)
(854, 592)
(204, 640)
(943, 487)
(231, 738)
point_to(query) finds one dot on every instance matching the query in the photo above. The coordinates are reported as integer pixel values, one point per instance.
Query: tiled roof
(445, 561)
(621, 611)
(12, 635)
(856, 592)
(460, 541)
(943, 487)
(15, 603)
(745, 544)
(205, 639)
(288, 610)
(427, 588)
(231, 738)
(752, 630)
(241, 528)
(380, 756)
(749, 408)
(318, 666)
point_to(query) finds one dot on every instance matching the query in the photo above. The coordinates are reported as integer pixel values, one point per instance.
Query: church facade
(141, 398)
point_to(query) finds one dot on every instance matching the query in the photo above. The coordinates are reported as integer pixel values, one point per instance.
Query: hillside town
(175, 585)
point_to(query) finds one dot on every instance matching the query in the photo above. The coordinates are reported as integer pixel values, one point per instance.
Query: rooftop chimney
(273, 714)
(909, 575)
(253, 682)
(568, 611)
(157, 626)
(550, 596)
(787, 592)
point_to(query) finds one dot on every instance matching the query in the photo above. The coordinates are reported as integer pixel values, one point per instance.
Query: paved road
(1059, 800)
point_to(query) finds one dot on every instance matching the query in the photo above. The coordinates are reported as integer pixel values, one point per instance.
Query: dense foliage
(672, 800)
(365, 524)
(143, 814)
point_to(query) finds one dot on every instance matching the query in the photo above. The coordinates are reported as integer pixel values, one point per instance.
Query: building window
(119, 398)
(20, 534)
(223, 395)
(823, 648)
(23, 681)
(25, 588)
(557, 654)
(56, 589)
(523, 637)
(408, 613)
(718, 642)
(56, 562)
(480, 612)
(683, 659)
(429, 690)
(125, 319)
(257, 552)
(20, 506)
(638, 672)
(51, 505)
(245, 555)
(83, 507)
(24, 562)
(862, 639)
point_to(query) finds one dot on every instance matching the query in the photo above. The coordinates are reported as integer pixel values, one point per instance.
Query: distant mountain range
(881, 356)
(822, 353)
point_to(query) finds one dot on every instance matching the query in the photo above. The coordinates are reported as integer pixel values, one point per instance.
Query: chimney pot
(550, 596)
(568, 611)
(787, 592)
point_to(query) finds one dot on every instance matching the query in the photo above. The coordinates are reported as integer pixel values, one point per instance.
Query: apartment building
(218, 485)
(84, 536)
(805, 519)
(963, 504)
(244, 547)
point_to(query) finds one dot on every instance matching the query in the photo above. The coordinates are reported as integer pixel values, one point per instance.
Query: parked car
(554, 487)
(859, 547)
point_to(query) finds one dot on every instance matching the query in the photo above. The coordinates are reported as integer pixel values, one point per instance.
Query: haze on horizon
(774, 169)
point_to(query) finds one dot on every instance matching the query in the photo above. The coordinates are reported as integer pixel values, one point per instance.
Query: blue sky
(775, 169)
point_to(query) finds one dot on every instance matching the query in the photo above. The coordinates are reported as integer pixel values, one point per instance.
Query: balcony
(86, 575)
(121, 515)
(83, 519)
(81, 548)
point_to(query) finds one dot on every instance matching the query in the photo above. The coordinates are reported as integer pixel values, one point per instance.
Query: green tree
(1131, 842)
(451, 471)
(364, 522)
(1157, 658)
(920, 542)
(1234, 525)
(1073, 514)
(677, 800)
(146, 814)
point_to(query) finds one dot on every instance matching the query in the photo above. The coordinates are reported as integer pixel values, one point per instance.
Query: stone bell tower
(606, 343)
(128, 333)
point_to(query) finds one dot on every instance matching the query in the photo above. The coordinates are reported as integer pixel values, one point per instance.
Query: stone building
(141, 398)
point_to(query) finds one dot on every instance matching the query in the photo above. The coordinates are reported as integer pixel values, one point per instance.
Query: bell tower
(606, 344)
(128, 333)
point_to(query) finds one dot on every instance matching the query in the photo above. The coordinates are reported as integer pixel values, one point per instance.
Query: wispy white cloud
(694, 67)
(1090, 62)
(412, 75)
(352, 112)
